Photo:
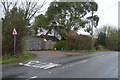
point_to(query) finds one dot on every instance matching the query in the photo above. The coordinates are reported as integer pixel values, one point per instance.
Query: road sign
(14, 32)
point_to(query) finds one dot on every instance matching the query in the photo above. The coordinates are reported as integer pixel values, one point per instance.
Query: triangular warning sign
(14, 32)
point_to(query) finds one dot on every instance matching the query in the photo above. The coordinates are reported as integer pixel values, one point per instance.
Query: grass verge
(17, 58)
(86, 51)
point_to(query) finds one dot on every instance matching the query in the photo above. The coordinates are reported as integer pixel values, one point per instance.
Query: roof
(34, 36)
(52, 38)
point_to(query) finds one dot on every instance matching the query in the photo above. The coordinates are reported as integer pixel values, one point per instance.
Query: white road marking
(66, 66)
(33, 77)
(83, 61)
(63, 67)
(103, 55)
(51, 66)
(49, 72)
(20, 63)
(39, 64)
(27, 65)
(70, 65)
(35, 66)
(77, 63)
(46, 65)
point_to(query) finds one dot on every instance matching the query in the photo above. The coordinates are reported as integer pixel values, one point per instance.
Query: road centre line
(103, 55)
(49, 72)
(83, 61)
(63, 67)
(77, 63)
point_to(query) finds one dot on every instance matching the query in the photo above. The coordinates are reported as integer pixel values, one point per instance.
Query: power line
(108, 8)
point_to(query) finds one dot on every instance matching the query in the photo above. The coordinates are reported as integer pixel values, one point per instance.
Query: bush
(60, 44)
(109, 37)
(14, 19)
(112, 40)
(75, 42)
(78, 42)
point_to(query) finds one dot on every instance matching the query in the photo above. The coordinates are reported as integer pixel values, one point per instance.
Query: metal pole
(14, 43)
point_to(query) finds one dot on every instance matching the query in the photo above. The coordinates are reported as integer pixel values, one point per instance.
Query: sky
(108, 12)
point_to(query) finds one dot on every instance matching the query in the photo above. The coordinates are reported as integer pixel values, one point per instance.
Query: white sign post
(14, 34)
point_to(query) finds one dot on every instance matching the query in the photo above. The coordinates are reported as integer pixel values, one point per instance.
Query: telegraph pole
(92, 30)
(92, 23)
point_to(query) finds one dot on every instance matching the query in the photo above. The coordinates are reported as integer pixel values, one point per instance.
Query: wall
(35, 43)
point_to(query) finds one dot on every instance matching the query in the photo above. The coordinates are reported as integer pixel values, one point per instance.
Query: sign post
(14, 34)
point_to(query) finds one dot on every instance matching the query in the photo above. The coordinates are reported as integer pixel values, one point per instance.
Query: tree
(102, 39)
(66, 17)
(78, 42)
(31, 8)
(108, 37)
(40, 22)
(17, 15)
(112, 40)
(118, 39)
(14, 19)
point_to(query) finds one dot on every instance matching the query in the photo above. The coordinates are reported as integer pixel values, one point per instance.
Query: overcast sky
(108, 12)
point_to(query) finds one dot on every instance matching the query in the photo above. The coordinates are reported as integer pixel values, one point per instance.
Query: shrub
(112, 40)
(78, 42)
(108, 37)
(14, 19)
(60, 44)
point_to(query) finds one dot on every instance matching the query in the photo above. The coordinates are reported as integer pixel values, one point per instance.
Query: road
(92, 65)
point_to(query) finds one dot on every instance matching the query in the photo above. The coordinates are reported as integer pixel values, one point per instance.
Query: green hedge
(79, 42)
(59, 45)
(75, 42)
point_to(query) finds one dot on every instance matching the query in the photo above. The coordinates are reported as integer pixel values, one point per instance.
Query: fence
(37, 43)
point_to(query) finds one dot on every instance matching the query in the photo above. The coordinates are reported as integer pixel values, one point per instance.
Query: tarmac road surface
(91, 65)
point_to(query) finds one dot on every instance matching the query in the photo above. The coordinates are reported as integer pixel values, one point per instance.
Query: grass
(86, 51)
(16, 58)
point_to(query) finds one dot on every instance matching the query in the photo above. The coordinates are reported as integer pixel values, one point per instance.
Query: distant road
(97, 65)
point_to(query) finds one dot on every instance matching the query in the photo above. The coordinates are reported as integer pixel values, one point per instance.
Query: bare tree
(7, 6)
(17, 14)
(30, 8)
